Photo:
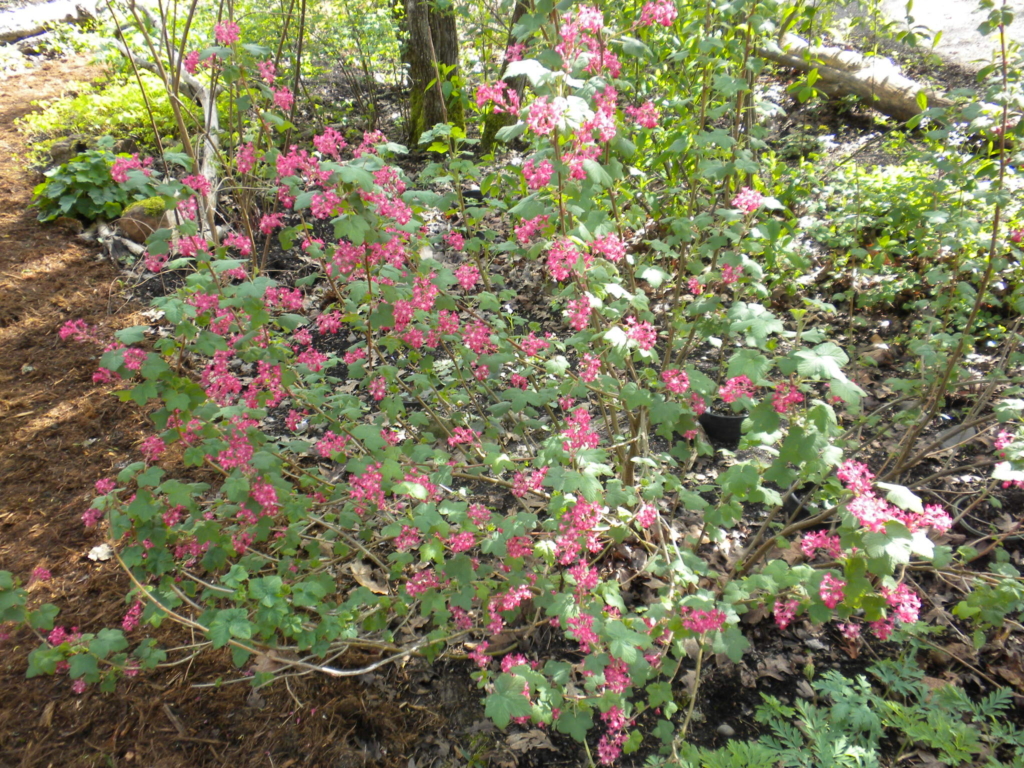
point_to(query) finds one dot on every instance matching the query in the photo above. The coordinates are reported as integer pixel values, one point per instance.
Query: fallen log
(874, 80)
(21, 23)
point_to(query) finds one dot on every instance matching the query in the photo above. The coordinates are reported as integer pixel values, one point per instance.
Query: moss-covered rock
(141, 219)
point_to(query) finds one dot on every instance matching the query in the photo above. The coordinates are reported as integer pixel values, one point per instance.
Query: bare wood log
(876, 81)
(21, 23)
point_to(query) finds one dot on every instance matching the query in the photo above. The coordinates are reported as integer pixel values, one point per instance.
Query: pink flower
(748, 200)
(609, 246)
(408, 539)
(591, 367)
(905, 602)
(226, 32)
(563, 257)
(270, 222)
(131, 619)
(479, 514)
(786, 395)
(463, 435)
(642, 333)
(105, 486)
(812, 542)
(831, 590)
(544, 114)
(283, 99)
(849, 630)
(730, 274)
(735, 388)
(701, 621)
(192, 62)
(659, 11)
(579, 313)
(537, 175)
(855, 477)
(676, 381)
(882, 628)
(267, 70)
(646, 116)
(41, 574)
(153, 447)
(646, 515)
(467, 275)
(528, 228)
(378, 389)
(785, 612)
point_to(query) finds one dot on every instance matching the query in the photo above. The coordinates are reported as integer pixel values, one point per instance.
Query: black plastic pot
(722, 427)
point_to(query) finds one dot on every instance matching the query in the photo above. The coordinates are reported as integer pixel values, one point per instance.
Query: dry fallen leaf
(362, 572)
(535, 739)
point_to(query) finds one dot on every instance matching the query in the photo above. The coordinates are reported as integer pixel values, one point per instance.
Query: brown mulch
(59, 433)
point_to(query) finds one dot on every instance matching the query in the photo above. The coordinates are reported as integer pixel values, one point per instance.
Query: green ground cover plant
(394, 447)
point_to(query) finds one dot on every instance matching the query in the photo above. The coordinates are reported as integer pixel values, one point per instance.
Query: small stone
(726, 730)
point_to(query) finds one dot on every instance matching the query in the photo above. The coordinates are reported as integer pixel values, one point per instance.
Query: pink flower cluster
(701, 621)
(785, 612)
(658, 12)
(528, 228)
(748, 200)
(504, 98)
(905, 602)
(563, 257)
(544, 113)
(831, 590)
(646, 115)
(812, 542)
(609, 747)
(873, 512)
(642, 333)
(226, 32)
(646, 515)
(676, 381)
(578, 434)
(786, 395)
(523, 484)
(609, 246)
(119, 170)
(579, 313)
(577, 530)
(735, 388)
(537, 175)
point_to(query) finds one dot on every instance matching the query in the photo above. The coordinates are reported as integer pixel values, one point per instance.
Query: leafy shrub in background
(113, 108)
(84, 188)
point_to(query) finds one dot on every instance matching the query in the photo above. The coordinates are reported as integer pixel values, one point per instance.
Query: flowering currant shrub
(406, 453)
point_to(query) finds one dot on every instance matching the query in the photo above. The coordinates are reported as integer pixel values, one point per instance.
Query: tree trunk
(495, 121)
(433, 57)
(876, 81)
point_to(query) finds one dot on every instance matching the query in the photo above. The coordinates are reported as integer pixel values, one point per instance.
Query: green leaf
(508, 700)
(902, 497)
(825, 361)
(576, 724)
(108, 641)
(83, 665)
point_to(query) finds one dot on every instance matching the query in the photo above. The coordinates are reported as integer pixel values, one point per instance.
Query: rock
(142, 219)
(65, 149)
